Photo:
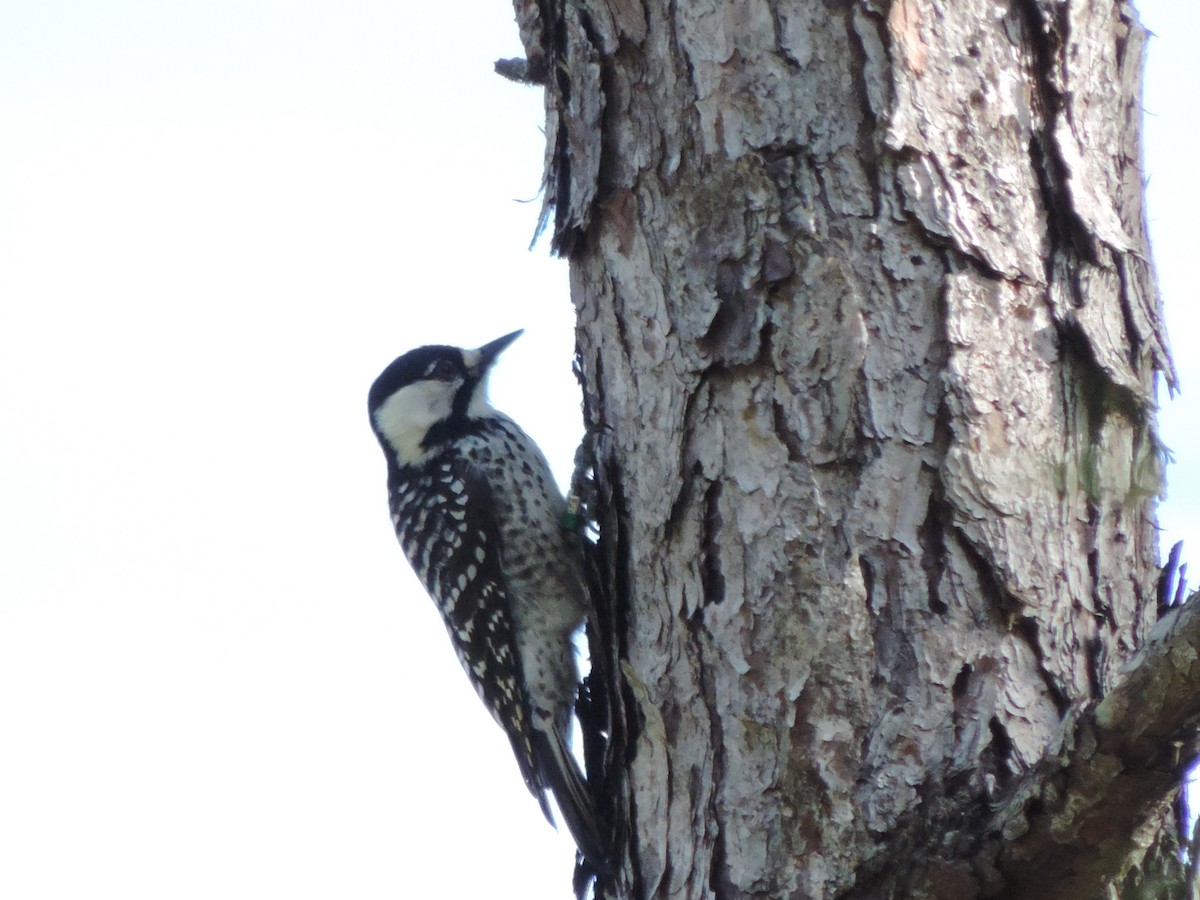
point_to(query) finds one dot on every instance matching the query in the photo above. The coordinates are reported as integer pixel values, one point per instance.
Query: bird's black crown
(416, 365)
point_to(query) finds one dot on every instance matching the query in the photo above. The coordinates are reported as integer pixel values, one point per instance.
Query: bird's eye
(441, 370)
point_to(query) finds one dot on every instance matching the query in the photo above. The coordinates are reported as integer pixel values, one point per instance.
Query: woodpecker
(479, 517)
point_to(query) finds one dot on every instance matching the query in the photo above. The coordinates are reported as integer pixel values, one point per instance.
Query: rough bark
(1071, 820)
(868, 325)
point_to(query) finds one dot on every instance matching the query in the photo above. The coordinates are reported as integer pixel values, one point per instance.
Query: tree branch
(1072, 824)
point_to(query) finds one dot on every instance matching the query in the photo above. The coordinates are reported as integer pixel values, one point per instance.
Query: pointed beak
(486, 355)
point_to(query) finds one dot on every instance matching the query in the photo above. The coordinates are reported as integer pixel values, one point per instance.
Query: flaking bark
(1070, 821)
(868, 325)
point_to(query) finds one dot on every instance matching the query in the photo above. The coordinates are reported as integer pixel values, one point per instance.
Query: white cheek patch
(406, 417)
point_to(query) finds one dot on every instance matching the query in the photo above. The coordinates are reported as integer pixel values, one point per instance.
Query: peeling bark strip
(865, 302)
(1070, 820)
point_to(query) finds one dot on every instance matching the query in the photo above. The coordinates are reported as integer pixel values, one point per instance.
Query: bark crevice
(863, 294)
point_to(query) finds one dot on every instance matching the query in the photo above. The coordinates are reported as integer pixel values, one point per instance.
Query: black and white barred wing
(444, 520)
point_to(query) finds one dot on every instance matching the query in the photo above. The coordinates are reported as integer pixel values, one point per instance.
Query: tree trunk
(869, 334)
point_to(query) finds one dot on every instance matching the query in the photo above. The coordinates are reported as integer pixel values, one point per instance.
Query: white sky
(218, 222)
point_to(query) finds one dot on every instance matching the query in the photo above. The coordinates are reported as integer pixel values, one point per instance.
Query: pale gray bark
(868, 327)
(1070, 821)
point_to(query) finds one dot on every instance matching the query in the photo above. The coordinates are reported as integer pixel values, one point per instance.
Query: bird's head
(430, 395)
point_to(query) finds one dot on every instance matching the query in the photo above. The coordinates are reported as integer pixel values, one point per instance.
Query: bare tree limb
(1074, 823)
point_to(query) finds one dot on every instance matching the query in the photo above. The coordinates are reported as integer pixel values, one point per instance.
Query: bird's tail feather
(570, 789)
